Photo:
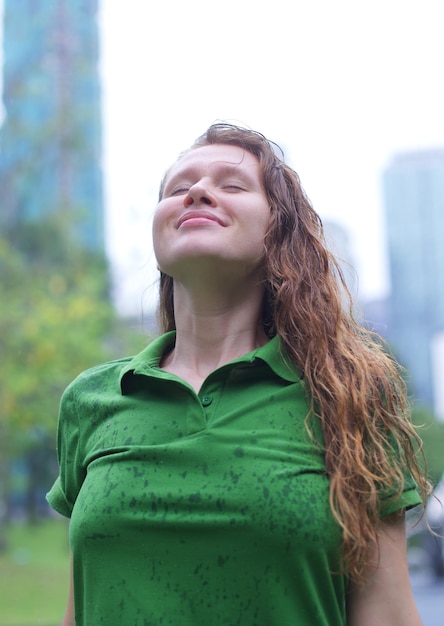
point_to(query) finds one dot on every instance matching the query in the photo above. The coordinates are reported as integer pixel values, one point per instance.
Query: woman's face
(213, 210)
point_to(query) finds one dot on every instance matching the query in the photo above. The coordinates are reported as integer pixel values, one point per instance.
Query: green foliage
(52, 325)
(35, 574)
(56, 320)
(431, 432)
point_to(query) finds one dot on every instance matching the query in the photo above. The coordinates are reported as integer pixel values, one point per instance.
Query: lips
(198, 216)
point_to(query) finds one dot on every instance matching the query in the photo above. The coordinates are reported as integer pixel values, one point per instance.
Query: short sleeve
(408, 499)
(392, 500)
(57, 500)
(65, 489)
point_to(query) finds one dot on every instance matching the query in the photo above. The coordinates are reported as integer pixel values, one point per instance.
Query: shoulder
(98, 379)
(102, 370)
(107, 377)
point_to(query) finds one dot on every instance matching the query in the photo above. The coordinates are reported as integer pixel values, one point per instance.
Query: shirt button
(206, 400)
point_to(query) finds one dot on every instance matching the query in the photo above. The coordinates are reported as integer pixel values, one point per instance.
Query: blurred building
(50, 142)
(414, 203)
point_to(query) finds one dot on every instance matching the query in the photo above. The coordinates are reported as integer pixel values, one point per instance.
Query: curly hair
(357, 390)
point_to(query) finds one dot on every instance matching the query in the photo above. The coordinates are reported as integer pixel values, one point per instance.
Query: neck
(214, 325)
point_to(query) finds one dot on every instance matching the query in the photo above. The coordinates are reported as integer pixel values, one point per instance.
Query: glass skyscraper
(51, 140)
(414, 202)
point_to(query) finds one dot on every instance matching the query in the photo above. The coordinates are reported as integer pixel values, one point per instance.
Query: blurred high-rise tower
(50, 142)
(414, 199)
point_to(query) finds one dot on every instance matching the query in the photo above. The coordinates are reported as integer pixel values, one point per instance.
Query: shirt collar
(272, 353)
(147, 362)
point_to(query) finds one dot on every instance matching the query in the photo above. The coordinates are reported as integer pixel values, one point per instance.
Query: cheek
(263, 220)
(162, 215)
(256, 232)
(157, 230)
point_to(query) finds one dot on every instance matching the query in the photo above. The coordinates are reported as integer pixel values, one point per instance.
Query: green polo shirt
(206, 509)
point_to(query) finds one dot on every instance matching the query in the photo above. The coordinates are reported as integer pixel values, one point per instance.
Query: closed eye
(177, 191)
(233, 187)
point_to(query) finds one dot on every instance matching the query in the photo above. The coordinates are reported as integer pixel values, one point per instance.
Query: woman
(252, 466)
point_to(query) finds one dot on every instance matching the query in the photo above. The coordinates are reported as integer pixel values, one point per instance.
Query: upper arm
(386, 598)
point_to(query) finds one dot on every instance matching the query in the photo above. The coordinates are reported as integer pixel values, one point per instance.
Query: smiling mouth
(197, 218)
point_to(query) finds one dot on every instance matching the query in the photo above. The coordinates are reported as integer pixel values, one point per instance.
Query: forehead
(216, 156)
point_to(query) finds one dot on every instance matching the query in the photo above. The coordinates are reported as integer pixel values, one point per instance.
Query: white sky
(342, 86)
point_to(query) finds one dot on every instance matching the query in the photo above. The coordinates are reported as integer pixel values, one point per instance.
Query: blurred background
(98, 98)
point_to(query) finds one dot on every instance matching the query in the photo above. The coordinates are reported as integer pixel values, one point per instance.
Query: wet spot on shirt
(221, 560)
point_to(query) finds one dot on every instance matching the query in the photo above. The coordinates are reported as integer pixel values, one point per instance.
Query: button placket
(209, 397)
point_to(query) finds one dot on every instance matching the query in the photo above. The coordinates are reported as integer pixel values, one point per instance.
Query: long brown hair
(356, 388)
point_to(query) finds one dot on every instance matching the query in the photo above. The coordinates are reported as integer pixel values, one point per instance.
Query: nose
(199, 194)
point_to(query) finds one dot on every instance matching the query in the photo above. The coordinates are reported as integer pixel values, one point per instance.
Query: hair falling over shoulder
(357, 390)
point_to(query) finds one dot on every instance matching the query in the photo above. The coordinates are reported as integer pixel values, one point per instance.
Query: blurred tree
(431, 431)
(56, 319)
